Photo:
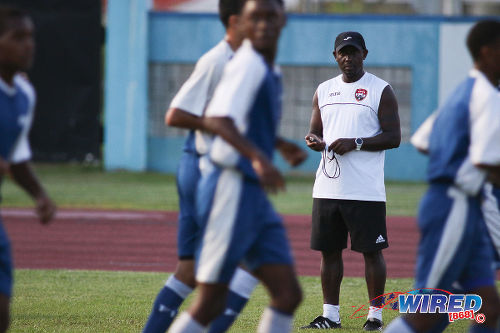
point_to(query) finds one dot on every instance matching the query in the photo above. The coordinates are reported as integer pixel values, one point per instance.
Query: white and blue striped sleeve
(21, 151)
(234, 97)
(485, 124)
(240, 82)
(197, 91)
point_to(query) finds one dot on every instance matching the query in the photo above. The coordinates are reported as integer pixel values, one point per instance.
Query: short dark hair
(228, 8)
(8, 13)
(234, 7)
(485, 32)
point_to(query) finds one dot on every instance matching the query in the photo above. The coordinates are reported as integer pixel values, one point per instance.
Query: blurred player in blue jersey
(239, 221)
(17, 103)
(455, 246)
(186, 111)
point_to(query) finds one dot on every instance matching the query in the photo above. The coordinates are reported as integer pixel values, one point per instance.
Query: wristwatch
(359, 143)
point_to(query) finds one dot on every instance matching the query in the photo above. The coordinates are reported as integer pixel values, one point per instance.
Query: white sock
(375, 312)
(178, 287)
(331, 312)
(186, 324)
(398, 325)
(273, 321)
(243, 283)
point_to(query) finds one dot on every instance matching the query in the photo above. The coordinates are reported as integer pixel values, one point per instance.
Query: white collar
(8, 89)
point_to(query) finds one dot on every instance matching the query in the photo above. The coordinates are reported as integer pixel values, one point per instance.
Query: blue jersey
(466, 132)
(239, 223)
(16, 112)
(193, 97)
(17, 104)
(250, 94)
(454, 244)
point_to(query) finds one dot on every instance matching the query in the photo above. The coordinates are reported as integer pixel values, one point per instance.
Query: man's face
(17, 44)
(350, 60)
(492, 57)
(263, 21)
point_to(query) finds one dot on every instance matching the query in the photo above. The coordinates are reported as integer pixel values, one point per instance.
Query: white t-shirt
(197, 92)
(350, 110)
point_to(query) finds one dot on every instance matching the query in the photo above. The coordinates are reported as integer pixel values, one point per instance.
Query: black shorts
(333, 219)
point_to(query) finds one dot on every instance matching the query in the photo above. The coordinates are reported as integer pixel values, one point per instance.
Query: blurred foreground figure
(464, 152)
(17, 104)
(239, 223)
(186, 111)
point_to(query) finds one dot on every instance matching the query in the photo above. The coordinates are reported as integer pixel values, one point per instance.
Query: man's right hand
(270, 178)
(314, 142)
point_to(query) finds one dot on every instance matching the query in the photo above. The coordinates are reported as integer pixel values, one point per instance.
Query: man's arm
(314, 139)
(269, 176)
(389, 123)
(188, 105)
(420, 139)
(493, 173)
(291, 152)
(179, 118)
(4, 167)
(24, 176)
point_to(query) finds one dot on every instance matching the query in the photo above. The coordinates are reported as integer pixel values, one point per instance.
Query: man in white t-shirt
(354, 119)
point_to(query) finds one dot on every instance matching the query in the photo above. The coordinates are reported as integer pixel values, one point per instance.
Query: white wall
(454, 59)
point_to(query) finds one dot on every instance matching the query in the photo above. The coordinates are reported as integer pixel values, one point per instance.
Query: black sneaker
(321, 322)
(373, 324)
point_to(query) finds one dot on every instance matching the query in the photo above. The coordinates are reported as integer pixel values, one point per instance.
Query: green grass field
(102, 301)
(95, 301)
(77, 186)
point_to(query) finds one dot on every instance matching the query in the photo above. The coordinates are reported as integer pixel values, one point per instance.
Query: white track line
(88, 215)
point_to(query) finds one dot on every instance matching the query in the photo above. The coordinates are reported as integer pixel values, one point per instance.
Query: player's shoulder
(482, 85)
(247, 60)
(22, 83)
(216, 57)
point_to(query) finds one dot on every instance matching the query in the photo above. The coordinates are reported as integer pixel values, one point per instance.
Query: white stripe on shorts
(451, 237)
(491, 215)
(220, 225)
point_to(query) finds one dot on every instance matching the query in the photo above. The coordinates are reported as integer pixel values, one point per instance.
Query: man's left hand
(45, 209)
(342, 146)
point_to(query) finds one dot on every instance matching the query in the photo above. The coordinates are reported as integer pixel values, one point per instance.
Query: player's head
(483, 42)
(228, 8)
(262, 22)
(350, 52)
(16, 39)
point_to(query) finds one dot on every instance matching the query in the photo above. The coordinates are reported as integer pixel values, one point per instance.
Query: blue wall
(308, 40)
(136, 37)
(126, 85)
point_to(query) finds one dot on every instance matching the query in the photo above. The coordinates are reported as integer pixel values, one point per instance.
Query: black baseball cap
(350, 38)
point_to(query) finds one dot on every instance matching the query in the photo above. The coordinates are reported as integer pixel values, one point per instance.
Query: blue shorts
(5, 263)
(239, 226)
(454, 244)
(188, 175)
(491, 212)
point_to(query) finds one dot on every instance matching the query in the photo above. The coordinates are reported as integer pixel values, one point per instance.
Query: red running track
(146, 241)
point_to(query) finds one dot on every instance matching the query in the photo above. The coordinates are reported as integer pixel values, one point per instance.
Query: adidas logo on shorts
(380, 239)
